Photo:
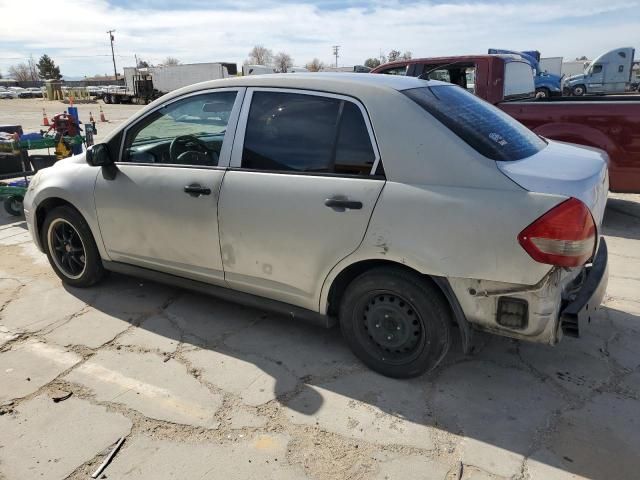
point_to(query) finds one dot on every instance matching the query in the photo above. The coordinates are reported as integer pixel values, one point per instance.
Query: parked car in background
(36, 92)
(609, 123)
(333, 208)
(7, 94)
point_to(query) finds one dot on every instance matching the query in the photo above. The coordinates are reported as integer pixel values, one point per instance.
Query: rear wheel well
(44, 208)
(345, 277)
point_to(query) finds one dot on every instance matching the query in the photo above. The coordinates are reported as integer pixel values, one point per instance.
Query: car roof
(337, 82)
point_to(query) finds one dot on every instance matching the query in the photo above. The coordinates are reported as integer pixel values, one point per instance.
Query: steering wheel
(186, 147)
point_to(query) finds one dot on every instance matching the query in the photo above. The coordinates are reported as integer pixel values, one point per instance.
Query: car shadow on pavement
(622, 219)
(573, 407)
(6, 219)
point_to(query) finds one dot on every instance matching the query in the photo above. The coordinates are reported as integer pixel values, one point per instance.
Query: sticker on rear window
(499, 139)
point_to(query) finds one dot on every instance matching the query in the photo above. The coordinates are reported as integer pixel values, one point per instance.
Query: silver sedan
(404, 209)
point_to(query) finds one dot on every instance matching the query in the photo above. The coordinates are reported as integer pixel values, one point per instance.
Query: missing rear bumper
(589, 297)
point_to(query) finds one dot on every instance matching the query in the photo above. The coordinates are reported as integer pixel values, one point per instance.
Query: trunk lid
(565, 169)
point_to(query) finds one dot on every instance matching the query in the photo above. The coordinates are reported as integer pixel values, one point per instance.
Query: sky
(74, 34)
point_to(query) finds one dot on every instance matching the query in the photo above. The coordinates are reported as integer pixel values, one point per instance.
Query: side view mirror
(99, 156)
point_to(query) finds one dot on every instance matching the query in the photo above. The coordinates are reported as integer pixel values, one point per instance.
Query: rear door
(304, 179)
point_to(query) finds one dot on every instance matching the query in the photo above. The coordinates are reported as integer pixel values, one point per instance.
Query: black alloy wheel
(67, 249)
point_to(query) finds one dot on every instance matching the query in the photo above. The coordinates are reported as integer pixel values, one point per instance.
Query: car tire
(71, 248)
(13, 205)
(396, 322)
(579, 91)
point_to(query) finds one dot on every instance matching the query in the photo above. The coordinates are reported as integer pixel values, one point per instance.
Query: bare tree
(394, 55)
(406, 55)
(33, 69)
(260, 55)
(372, 62)
(20, 72)
(283, 62)
(170, 62)
(315, 65)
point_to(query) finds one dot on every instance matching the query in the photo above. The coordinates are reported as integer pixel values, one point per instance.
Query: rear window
(485, 128)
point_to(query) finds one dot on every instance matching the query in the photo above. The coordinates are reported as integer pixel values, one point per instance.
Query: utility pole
(336, 49)
(113, 56)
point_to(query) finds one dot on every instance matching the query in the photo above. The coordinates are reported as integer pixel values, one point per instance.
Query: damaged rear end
(567, 238)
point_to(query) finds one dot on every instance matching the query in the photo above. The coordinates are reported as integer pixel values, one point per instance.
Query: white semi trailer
(142, 85)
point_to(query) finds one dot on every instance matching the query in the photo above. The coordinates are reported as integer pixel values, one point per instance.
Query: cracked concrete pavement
(205, 389)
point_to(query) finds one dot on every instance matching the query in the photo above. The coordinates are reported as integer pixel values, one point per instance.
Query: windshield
(484, 127)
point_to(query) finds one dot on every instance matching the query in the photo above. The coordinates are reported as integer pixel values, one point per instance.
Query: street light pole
(113, 56)
(336, 49)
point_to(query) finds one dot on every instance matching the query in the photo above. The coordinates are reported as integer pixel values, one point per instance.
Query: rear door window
(306, 133)
(484, 127)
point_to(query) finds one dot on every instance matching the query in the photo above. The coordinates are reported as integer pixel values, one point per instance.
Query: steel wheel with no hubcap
(391, 328)
(67, 249)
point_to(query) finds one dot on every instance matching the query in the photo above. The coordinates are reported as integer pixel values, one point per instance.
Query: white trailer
(143, 85)
(551, 65)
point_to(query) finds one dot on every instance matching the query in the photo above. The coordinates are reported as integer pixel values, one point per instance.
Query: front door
(595, 80)
(299, 194)
(160, 210)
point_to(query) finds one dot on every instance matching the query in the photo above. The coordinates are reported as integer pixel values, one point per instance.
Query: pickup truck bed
(609, 123)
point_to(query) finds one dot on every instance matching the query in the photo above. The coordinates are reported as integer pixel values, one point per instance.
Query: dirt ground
(205, 389)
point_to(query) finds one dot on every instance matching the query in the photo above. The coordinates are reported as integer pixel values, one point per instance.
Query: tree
(33, 69)
(406, 55)
(315, 65)
(20, 72)
(143, 64)
(170, 62)
(283, 62)
(372, 62)
(47, 69)
(259, 55)
(393, 55)
(581, 59)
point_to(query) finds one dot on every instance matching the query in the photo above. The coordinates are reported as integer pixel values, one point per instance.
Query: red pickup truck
(611, 123)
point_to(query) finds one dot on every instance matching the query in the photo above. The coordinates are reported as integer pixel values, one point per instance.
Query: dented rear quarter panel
(453, 232)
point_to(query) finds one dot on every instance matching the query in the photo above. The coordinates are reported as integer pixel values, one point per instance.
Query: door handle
(195, 190)
(343, 204)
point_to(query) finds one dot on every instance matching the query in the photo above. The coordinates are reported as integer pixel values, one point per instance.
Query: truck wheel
(70, 247)
(543, 92)
(115, 99)
(13, 205)
(395, 322)
(579, 90)
(107, 99)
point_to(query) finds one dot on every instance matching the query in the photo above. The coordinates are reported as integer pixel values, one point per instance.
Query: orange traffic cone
(91, 120)
(45, 120)
(102, 119)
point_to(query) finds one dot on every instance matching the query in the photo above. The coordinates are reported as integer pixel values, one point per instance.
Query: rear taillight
(564, 236)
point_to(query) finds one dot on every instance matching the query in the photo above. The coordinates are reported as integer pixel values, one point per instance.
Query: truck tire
(396, 322)
(116, 99)
(107, 98)
(579, 91)
(543, 92)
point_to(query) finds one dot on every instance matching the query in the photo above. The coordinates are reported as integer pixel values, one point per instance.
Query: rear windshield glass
(487, 129)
